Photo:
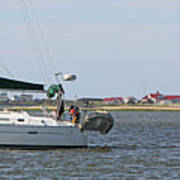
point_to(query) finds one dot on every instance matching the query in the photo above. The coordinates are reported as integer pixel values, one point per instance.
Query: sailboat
(21, 130)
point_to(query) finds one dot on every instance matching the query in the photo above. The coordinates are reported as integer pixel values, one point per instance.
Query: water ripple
(142, 145)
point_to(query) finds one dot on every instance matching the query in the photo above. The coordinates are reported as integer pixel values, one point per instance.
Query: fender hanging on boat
(98, 121)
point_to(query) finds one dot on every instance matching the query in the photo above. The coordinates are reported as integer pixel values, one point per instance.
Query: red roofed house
(159, 98)
(172, 99)
(114, 100)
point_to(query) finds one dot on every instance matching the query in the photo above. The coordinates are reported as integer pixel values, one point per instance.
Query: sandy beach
(103, 108)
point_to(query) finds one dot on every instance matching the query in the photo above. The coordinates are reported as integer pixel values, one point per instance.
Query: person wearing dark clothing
(60, 103)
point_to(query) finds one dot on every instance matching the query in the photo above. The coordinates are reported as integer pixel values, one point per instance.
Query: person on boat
(75, 114)
(52, 91)
(60, 110)
(76, 119)
(71, 112)
(60, 103)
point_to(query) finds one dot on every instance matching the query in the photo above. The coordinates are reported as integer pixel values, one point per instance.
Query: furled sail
(14, 85)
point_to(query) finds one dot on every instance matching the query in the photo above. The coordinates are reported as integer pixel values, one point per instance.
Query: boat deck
(24, 119)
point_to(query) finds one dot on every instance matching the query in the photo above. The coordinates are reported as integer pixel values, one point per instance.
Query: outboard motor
(97, 121)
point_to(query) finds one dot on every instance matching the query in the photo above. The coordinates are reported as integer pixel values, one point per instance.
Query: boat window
(20, 120)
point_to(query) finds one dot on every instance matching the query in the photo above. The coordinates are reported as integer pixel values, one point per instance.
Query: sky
(116, 48)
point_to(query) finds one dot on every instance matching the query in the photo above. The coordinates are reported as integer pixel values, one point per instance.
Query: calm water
(142, 145)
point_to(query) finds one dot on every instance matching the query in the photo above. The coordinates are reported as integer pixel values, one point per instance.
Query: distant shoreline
(140, 108)
(103, 108)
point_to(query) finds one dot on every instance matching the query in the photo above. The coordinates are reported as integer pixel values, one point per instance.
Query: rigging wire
(29, 29)
(38, 44)
(34, 40)
(50, 57)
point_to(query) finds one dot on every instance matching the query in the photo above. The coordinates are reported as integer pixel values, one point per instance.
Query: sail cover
(14, 85)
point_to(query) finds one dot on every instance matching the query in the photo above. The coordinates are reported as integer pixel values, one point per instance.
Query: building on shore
(159, 98)
(113, 100)
(89, 102)
(23, 98)
(130, 100)
(4, 97)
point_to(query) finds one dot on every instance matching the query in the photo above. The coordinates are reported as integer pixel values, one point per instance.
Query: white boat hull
(41, 136)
